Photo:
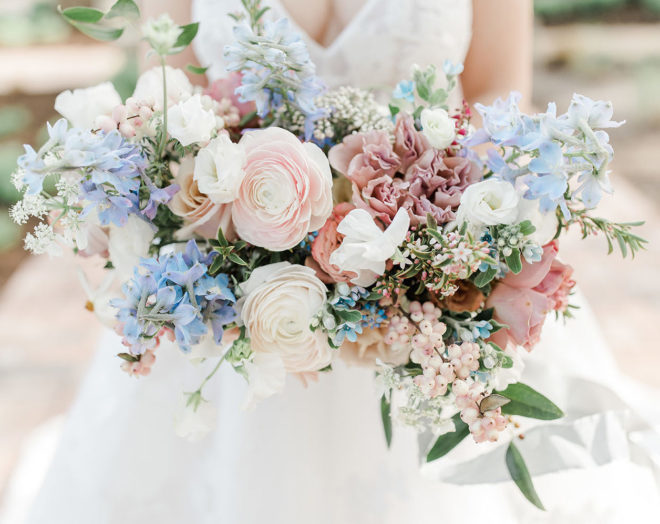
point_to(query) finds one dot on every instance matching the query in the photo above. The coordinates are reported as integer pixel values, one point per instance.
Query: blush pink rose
(362, 157)
(409, 143)
(226, 88)
(557, 285)
(522, 301)
(286, 191)
(200, 215)
(436, 186)
(327, 241)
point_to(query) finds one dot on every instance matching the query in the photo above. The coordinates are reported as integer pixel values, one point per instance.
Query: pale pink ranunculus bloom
(523, 301)
(362, 157)
(327, 240)
(199, 213)
(286, 191)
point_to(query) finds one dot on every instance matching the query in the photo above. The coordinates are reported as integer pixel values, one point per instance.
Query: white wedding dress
(317, 454)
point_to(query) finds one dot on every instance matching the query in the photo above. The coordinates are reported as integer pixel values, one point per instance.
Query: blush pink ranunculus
(286, 191)
(327, 241)
(200, 215)
(409, 143)
(362, 157)
(523, 301)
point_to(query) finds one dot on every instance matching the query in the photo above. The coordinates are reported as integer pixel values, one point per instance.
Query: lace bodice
(376, 49)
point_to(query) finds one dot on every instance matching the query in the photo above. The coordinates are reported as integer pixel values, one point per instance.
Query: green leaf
(124, 9)
(236, 259)
(349, 315)
(247, 118)
(196, 70)
(128, 357)
(385, 408)
(520, 475)
(493, 401)
(394, 110)
(188, 32)
(423, 91)
(528, 402)
(216, 264)
(485, 277)
(514, 262)
(507, 362)
(449, 441)
(221, 238)
(438, 97)
(85, 15)
(104, 34)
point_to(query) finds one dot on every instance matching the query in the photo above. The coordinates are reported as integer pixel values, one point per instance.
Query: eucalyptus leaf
(520, 475)
(448, 441)
(485, 277)
(124, 9)
(528, 402)
(385, 413)
(349, 315)
(196, 70)
(85, 15)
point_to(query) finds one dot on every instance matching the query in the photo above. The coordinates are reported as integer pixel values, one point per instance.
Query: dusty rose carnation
(436, 186)
(325, 243)
(200, 215)
(382, 197)
(409, 143)
(362, 157)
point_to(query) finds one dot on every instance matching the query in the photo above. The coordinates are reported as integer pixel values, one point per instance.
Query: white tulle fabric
(317, 454)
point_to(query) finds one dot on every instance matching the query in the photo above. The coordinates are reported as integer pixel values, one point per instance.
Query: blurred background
(605, 49)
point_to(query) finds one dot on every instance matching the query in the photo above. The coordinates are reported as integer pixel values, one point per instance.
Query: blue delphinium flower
(276, 70)
(405, 90)
(175, 291)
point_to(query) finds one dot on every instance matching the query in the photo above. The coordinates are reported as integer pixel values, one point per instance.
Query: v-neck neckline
(340, 36)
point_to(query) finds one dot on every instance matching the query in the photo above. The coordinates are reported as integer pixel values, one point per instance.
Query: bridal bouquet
(278, 226)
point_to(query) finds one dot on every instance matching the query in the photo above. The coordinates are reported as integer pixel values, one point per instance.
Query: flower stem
(163, 131)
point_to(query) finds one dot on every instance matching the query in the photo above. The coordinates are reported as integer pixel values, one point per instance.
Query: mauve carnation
(409, 143)
(325, 243)
(381, 197)
(362, 157)
(436, 186)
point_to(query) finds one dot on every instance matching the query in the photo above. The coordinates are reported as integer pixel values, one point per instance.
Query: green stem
(163, 134)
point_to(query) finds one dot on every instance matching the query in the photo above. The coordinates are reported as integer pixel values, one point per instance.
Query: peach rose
(200, 215)
(523, 301)
(286, 191)
(369, 347)
(325, 243)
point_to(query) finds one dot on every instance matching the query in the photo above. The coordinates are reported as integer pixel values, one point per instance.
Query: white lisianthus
(490, 202)
(278, 305)
(128, 244)
(161, 33)
(189, 122)
(266, 376)
(149, 87)
(194, 420)
(545, 223)
(365, 248)
(219, 169)
(81, 106)
(438, 127)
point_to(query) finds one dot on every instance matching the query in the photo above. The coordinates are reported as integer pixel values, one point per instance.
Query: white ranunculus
(488, 203)
(194, 424)
(365, 248)
(82, 106)
(189, 122)
(98, 300)
(438, 127)
(279, 302)
(161, 33)
(545, 223)
(149, 86)
(266, 376)
(219, 169)
(127, 244)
